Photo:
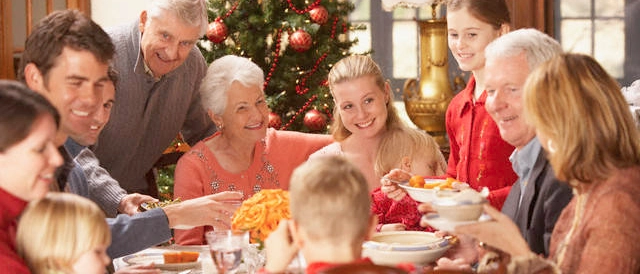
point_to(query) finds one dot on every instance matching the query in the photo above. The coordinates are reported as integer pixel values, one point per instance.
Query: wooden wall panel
(6, 42)
(81, 5)
(6, 33)
(532, 14)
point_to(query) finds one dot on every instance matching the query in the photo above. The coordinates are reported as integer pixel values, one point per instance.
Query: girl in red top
(478, 154)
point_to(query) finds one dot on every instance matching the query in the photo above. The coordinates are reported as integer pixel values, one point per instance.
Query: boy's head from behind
(411, 150)
(330, 201)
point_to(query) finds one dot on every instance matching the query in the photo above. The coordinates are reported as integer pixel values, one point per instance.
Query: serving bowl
(426, 195)
(395, 247)
(458, 210)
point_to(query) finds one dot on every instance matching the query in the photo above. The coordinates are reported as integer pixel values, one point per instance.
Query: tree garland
(307, 9)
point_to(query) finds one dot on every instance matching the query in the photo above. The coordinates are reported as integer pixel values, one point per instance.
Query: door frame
(7, 49)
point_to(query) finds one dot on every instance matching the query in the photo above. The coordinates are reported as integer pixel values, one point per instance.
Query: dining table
(204, 265)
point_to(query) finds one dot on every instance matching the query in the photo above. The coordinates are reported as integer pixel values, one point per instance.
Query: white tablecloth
(206, 263)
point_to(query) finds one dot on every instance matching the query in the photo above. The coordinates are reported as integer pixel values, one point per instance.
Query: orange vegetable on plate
(174, 257)
(416, 181)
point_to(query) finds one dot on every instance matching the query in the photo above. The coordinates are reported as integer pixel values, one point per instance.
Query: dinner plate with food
(169, 260)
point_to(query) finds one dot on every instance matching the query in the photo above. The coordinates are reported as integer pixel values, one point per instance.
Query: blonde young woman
(64, 233)
(584, 124)
(363, 112)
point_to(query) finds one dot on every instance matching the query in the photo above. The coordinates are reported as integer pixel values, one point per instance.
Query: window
(607, 30)
(393, 39)
(596, 28)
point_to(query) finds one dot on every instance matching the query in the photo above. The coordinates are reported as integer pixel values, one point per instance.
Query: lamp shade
(389, 5)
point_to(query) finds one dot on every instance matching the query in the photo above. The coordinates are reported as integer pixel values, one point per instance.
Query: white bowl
(426, 195)
(434, 220)
(458, 211)
(394, 247)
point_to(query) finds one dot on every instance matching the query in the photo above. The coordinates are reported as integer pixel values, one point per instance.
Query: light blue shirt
(522, 161)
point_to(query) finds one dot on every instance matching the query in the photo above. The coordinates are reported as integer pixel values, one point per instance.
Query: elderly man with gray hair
(537, 197)
(157, 95)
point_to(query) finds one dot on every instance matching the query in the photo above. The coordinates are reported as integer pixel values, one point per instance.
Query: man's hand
(280, 248)
(130, 203)
(206, 210)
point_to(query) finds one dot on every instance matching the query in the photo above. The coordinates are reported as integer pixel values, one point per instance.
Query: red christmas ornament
(315, 120)
(300, 40)
(217, 31)
(319, 14)
(275, 121)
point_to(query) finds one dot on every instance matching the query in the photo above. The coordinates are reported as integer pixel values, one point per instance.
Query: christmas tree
(295, 42)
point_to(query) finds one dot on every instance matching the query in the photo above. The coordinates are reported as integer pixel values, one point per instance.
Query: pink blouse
(198, 173)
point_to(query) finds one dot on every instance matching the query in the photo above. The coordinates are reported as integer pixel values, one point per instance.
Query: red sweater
(12, 207)
(478, 154)
(404, 211)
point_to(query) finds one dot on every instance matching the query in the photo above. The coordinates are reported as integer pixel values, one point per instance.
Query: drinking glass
(226, 248)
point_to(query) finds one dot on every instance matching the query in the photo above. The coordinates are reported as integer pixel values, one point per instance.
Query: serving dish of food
(151, 205)
(427, 190)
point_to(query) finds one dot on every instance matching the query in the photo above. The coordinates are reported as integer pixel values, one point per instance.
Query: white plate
(439, 223)
(158, 260)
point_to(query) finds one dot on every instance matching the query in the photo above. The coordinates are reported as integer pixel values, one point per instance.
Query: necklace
(265, 177)
(581, 202)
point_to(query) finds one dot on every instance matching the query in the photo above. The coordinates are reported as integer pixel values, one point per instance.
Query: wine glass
(226, 248)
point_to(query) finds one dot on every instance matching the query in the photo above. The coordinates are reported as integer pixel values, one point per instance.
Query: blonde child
(64, 233)
(330, 217)
(413, 151)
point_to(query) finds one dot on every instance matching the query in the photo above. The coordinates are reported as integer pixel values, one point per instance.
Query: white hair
(192, 12)
(538, 46)
(221, 74)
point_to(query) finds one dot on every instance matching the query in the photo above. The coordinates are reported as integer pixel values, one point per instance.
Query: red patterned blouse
(478, 154)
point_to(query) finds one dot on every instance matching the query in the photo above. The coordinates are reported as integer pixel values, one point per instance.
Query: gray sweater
(148, 114)
(129, 234)
(97, 184)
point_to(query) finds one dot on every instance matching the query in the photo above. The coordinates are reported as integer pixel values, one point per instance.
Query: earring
(550, 146)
